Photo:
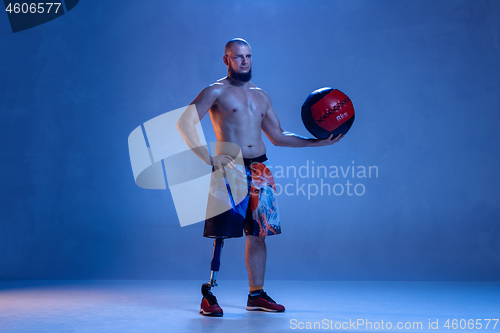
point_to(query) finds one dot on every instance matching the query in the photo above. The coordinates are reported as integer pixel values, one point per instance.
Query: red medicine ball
(327, 111)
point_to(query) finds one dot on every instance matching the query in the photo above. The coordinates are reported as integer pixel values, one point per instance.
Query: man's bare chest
(250, 103)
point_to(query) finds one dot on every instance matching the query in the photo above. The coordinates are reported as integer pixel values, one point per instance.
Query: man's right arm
(192, 116)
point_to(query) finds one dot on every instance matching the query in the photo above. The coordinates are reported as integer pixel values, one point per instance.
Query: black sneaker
(263, 302)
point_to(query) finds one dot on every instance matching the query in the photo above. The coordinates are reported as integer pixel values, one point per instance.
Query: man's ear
(224, 59)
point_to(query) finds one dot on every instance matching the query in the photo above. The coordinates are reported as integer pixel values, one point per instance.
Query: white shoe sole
(253, 308)
(210, 314)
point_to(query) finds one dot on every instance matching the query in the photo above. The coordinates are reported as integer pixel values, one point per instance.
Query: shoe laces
(266, 297)
(210, 298)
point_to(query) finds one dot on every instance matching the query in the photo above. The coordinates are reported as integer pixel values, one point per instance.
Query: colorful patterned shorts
(246, 199)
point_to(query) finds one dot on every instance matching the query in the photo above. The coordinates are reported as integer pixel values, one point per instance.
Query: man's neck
(238, 83)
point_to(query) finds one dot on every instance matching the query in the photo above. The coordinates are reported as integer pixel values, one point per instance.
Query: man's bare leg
(255, 258)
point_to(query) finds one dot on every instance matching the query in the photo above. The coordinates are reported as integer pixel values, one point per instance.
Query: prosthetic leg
(214, 266)
(218, 244)
(209, 306)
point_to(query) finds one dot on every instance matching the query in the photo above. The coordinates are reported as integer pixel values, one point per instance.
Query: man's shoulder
(215, 86)
(221, 83)
(214, 89)
(218, 86)
(260, 91)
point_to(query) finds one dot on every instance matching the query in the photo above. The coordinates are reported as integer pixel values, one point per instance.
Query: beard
(243, 77)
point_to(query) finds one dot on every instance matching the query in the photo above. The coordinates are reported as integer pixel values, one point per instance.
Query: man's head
(238, 59)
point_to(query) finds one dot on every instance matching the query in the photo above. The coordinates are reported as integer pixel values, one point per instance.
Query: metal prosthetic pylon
(214, 266)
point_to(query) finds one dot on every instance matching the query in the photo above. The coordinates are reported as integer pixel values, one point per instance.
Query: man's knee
(256, 239)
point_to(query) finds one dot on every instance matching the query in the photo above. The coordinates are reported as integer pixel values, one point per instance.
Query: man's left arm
(279, 137)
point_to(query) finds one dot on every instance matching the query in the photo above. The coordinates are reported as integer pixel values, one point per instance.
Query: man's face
(239, 62)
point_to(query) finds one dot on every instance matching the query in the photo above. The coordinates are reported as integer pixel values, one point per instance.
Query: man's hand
(330, 140)
(223, 160)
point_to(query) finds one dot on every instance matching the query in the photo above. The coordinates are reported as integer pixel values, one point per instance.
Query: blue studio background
(424, 77)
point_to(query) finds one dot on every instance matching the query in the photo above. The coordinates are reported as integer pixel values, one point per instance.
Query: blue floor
(172, 306)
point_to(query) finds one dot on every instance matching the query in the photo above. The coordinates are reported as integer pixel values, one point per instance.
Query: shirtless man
(239, 112)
